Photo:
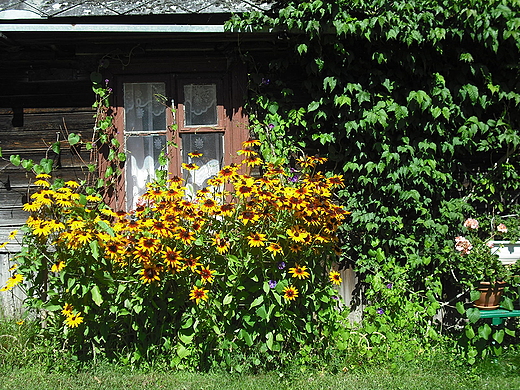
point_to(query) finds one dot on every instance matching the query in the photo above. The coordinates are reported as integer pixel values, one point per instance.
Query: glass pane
(200, 104)
(142, 110)
(141, 163)
(210, 163)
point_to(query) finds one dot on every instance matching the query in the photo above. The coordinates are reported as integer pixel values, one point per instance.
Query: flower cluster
(240, 226)
(477, 261)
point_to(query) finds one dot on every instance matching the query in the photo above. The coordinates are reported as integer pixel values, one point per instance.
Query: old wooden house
(176, 49)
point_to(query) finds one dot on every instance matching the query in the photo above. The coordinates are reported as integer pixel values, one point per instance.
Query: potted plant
(479, 266)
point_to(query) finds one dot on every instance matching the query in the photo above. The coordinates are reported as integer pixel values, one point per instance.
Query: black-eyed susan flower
(190, 166)
(290, 293)
(275, 248)
(57, 267)
(148, 245)
(299, 272)
(198, 294)
(227, 209)
(150, 273)
(256, 239)
(335, 277)
(195, 154)
(206, 274)
(73, 320)
(248, 216)
(185, 236)
(67, 309)
(192, 263)
(250, 143)
(172, 258)
(12, 281)
(222, 245)
(298, 234)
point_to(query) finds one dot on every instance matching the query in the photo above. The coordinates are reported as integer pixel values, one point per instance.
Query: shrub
(243, 267)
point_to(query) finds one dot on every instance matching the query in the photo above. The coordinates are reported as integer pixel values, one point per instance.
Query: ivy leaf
(473, 314)
(73, 139)
(302, 48)
(484, 331)
(56, 147)
(15, 159)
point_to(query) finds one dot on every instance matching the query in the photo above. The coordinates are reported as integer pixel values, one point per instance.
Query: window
(144, 136)
(188, 119)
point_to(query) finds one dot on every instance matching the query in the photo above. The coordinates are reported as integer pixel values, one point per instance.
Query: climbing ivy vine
(416, 103)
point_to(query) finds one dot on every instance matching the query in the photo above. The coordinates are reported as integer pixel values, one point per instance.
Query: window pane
(210, 163)
(142, 110)
(141, 163)
(200, 105)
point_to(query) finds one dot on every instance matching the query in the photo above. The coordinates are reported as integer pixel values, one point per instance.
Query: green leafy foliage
(416, 104)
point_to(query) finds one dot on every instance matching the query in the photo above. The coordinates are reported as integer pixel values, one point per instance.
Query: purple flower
(271, 126)
(294, 179)
(335, 297)
(109, 89)
(106, 81)
(380, 311)
(281, 265)
(265, 81)
(272, 283)
(389, 285)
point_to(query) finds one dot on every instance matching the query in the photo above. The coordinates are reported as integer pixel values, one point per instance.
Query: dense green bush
(416, 103)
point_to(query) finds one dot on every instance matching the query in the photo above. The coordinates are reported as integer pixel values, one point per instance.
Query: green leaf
(73, 139)
(56, 147)
(498, 336)
(313, 106)
(302, 48)
(259, 300)
(96, 295)
(460, 307)
(262, 313)
(227, 299)
(27, 164)
(484, 331)
(15, 159)
(182, 351)
(46, 164)
(473, 314)
(470, 333)
(94, 247)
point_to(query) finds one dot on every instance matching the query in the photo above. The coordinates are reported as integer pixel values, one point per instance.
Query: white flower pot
(508, 253)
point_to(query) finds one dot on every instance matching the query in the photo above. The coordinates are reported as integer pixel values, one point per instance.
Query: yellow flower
(43, 176)
(297, 234)
(73, 320)
(275, 248)
(150, 274)
(67, 309)
(13, 234)
(221, 243)
(12, 281)
(58, 266)
(42, 183)
(290, 293)
(335, 277)
(190, 167)
(256, 239)
(206, 274)
(198, 294)
(72, 184)
(299, 272)
(30, 207)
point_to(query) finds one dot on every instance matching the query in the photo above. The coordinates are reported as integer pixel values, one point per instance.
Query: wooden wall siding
(41, 128)
(10, 301)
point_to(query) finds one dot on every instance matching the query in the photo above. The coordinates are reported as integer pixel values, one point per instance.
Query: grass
(29, 362)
